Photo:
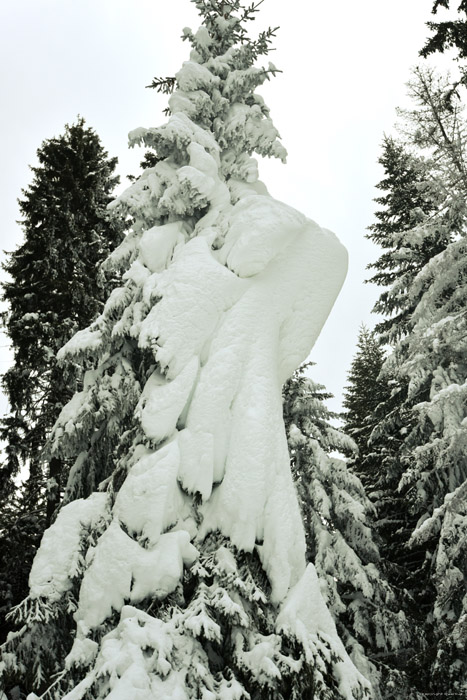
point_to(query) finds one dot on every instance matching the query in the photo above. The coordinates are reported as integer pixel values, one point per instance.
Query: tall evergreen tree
(434, 455)
(340, 542)
(181, 549)
(421, 436)
(55, 288)
(406, 204)
(365, 391)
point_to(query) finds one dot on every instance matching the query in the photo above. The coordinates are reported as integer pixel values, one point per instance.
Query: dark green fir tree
(365, 391)
(55, 287)
(341, 544)
(406, 203)
(449, 34)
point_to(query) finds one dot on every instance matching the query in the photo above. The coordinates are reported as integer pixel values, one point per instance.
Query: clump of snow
(88, 339)
(195, 292)
(68, 416)
(122, 570)
(59, 558)
(149, 501)
(196, 469)
(163, 401)
(259, 228)
(193, 76)
(83, 652)
(157, 244)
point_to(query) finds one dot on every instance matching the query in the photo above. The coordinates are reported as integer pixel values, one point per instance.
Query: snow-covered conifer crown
(213, 104)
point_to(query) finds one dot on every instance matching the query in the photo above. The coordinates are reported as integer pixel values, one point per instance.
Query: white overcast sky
(345, 65)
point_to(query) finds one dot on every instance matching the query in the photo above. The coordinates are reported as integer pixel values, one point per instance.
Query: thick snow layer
(157, 244)
(196, 291)
(90, 339)
(59, 558)
(304, 615)
(122, 570)
(178, 132)
(196, 469)
(248, 312)
(163, 401)
(150, 500)
(193, 76)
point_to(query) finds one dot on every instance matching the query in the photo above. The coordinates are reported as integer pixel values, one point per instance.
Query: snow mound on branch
(59, 558)
(87, 338)
(122, 570)
(157, 244)
(260, 227)
(196, 290)
(162, 402)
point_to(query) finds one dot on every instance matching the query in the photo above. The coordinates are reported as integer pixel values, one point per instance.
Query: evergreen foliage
(55, 288)
(153, 590)
(340, 542)
(365, 391)
(420, 435)
(448, 34)
(407, 203)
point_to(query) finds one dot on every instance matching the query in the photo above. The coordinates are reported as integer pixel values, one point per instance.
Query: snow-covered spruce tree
(407, 201)
(435, 455)
(422, 201)
(340, 543)
(177, 569)
(55, 288)
(429, 374)
(407, 204)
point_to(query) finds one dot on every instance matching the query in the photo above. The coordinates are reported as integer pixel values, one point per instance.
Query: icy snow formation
(230, 327)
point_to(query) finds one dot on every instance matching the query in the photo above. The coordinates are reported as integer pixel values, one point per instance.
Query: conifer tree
(409, 237)
(55, 288)
(177, 566)
(425, 416)
(365, 391)
(340, 542)
(406, 204)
